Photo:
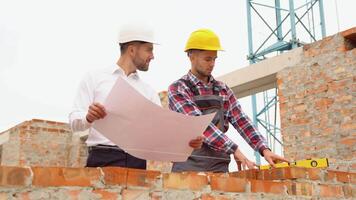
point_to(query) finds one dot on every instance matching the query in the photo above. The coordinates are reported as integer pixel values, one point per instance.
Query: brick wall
(42, 143)
(27, 183)
(317, 102)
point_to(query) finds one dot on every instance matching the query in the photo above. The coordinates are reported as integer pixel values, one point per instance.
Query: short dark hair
(123, 46)
(190, 51)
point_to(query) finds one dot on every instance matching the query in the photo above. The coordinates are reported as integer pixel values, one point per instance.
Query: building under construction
(44, 160)
(315, 84)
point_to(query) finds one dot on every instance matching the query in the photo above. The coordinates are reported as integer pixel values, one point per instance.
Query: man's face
(143, 56)
(203, 62)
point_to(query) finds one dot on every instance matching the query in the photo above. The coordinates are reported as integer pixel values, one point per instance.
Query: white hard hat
(136, 32)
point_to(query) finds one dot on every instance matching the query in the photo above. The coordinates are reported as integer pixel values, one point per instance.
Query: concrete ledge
(262, 75)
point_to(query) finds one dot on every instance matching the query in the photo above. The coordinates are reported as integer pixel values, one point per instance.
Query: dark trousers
(204, 159)
(104, 156)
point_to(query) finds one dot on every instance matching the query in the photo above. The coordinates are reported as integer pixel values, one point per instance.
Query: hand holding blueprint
(146, 130)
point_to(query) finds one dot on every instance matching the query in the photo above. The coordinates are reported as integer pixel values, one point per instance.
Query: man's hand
(243, 161)
(96, 111)
(273, 158)
(197, 142)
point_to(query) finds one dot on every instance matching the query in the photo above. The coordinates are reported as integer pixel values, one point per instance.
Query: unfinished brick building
(316, 83)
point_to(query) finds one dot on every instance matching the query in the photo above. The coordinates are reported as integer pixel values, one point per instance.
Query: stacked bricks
(317, 102)
(122, 183)
(42, 143)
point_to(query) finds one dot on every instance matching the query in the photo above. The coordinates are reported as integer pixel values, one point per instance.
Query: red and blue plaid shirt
(180, 100)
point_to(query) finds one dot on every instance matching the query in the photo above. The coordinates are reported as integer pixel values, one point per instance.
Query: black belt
(103, 146)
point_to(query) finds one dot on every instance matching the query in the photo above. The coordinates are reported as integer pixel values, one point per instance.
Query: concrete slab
(262, 75)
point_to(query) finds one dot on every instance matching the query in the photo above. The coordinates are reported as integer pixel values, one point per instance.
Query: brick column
(317, 104)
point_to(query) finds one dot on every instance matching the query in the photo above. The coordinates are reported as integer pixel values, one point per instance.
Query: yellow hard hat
(203, 39)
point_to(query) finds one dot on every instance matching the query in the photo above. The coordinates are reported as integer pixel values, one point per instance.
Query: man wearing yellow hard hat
(198, 93)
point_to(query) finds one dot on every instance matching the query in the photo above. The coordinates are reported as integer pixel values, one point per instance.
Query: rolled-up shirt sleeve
(243, 124)
(83, 99)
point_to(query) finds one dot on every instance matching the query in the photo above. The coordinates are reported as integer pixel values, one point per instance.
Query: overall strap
(191, 87)
(216, 89)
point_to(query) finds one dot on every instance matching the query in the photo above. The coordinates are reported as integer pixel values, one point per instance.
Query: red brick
(311, 52)
(353, 166)
(349, 191)
(38, 120)
(300, 121)
(55, 176)
(283, 110)
(325, 41)
(284, 173)
(261, 174)
(353, 178)
(4, 196)
(215, 174)
(143, 178)
(294, 172)
(343, 99)
(269, 186)
(53, 130)
(323, 103)
(73, 194)
(306, 133)
(304, 189)
(337, 176)
(326, 131)
(317, 90)
(348, 126)
(342, 48)
(330, 191)
(106, 194)
(14, 176)
(348, 141)
(131, 194)
(279, 82)
(349, 33)
(337, 85)
(51, 122)
(228, 184)
(300, 108)
(215, 197)
(249, 174)
(184, 181)
(115, 175)
(35, 128)
(314, 174)
(343, 177)
(156, 195)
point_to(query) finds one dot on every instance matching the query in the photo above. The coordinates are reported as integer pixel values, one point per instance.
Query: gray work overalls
(206, 158)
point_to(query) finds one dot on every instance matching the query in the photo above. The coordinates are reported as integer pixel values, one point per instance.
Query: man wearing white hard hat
(136, 46)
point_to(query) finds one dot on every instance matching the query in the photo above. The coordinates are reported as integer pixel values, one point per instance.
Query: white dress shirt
(95, 87)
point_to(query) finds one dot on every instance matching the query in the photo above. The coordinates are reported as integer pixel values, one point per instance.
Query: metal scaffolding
(301, 27)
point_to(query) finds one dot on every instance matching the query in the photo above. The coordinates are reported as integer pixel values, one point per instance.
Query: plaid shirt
(180, 100)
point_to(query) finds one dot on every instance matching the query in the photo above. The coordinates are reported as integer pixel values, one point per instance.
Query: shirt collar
(196, 81)
(118, 69)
